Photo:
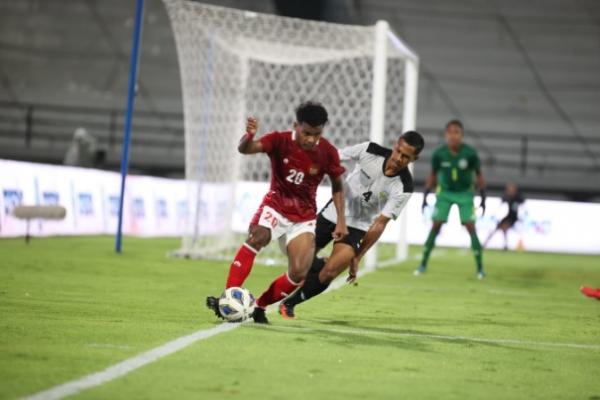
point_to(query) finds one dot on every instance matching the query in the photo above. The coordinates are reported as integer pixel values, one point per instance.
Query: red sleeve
(334, 168)
(270, 141)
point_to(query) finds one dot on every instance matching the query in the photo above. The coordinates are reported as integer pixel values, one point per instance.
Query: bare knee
(301, 251)
(298, 267)
(258, 237)
(470, 227)
(436, 226)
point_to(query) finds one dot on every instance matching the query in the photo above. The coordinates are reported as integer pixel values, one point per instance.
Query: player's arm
(371, 237)
(337, 195)
(479, 181)
(247, 144)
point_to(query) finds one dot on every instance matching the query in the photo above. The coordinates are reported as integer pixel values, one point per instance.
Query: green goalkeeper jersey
(455, 172)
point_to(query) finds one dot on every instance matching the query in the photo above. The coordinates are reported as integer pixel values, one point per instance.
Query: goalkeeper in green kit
(454, 165)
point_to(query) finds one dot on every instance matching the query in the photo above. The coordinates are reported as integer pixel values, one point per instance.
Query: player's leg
(436, 226)
(323, 236)
(590, 292)
(265, 224)
(258, 237)
(300, 250)
(476, 248)
(501, 226)
(317, 282)
(466, 210)
(439, 217)
(492, 233)
(504, 228)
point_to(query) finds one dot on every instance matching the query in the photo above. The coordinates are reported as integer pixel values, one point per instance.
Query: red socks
(281, 288)
(590, 292)
(241, 266)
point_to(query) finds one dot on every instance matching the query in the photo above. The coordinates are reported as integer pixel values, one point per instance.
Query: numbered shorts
(281, 228)
(444, 201)
(325, 228)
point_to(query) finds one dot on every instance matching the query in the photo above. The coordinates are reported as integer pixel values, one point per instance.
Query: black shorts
(325, 228)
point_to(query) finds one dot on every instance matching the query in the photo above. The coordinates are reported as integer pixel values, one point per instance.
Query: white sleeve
(352, 153)
(395, 204)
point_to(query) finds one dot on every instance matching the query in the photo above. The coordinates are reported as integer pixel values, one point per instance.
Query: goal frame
(381, 46)
(383, 33)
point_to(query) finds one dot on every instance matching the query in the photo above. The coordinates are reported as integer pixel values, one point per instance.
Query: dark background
(523, 76)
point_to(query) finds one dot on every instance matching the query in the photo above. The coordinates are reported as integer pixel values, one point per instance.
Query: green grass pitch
(70, 307)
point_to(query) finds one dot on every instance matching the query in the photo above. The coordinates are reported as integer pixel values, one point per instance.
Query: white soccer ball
(236, 304)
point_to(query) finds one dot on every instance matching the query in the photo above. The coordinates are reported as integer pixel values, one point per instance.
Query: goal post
(236, 63)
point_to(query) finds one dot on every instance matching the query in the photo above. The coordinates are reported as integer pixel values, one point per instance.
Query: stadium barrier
(159, 207)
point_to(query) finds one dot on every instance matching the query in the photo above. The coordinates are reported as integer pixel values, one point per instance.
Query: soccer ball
(236, 304)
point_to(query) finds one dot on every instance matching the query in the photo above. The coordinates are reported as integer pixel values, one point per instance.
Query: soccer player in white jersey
(376, 191)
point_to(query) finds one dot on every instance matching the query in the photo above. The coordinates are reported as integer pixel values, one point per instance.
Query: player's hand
(353, 270)
(339, 232)
(482, 204)
(424, 204)
(251, 125)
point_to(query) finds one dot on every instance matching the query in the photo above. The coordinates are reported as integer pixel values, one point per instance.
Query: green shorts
(445, 200)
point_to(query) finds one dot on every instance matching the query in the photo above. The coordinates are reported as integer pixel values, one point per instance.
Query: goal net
(236, 63)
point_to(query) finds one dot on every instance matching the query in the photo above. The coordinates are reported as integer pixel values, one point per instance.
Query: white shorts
(282, 228)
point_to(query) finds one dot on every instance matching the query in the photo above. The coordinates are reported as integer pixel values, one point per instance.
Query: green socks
(430, 244)
(476, 247)
(428, 247)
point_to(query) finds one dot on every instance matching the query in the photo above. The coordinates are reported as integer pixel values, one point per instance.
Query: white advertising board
(165, 207)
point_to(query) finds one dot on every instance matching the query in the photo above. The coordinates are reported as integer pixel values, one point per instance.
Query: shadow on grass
(344, 338)
(358, 333)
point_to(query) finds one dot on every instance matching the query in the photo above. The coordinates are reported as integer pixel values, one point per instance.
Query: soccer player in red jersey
(299, 160)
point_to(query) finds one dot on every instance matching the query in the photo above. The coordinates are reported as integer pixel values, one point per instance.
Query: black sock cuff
(311, 287)
(317, 265)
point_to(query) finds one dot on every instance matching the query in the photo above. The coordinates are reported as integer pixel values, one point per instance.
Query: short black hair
(456, 122)
(414, 139)
(311, 112)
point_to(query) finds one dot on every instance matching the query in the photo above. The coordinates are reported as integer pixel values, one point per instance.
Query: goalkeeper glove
(482, 204)
(424, 200)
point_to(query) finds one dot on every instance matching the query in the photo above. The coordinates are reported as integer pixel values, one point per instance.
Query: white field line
(516, 342)
(135, 362)
(131, 364)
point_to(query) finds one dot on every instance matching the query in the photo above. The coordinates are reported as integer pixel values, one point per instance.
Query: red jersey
(296, 173)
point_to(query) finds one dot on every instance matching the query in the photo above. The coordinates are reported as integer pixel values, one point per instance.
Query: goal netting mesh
(236, 63)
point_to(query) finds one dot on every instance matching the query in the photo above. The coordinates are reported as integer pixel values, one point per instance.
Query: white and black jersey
(368, 192)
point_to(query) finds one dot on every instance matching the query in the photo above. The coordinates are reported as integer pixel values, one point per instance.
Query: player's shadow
(526, 278)
(360, 333)
(348, 338)
(487, 319)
